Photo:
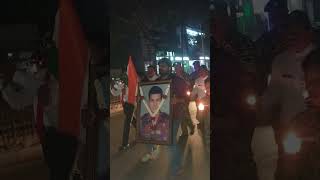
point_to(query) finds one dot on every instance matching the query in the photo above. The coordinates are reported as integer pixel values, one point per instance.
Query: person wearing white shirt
(198, 92)
(121, 90)
(284, 97)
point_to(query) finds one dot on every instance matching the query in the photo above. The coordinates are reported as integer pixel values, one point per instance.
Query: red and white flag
(73, 60)
(132, 82)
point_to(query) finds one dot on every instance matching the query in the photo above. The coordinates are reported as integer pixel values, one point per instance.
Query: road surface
(23, 164)
(127, 165)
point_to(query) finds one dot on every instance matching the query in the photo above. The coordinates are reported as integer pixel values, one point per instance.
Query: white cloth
(28, 95)
(193, 112)
(199, 89)
(117, 91)
(153, 78)
(265, 152)
(287, 93)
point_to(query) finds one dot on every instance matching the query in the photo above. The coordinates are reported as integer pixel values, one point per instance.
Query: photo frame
(154, 113)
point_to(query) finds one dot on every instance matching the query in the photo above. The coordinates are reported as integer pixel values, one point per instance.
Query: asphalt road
(33, 169)
(127, 165)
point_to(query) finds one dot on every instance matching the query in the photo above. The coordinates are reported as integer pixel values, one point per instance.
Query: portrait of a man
(154, 123)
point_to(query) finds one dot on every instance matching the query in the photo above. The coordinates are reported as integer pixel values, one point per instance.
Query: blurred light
(251, 100)
(193, 32)
(292, 144)
(207, 58)
(185, 58)
(158, 57)
(201, 57)
(269, 78)
(171, 58)
(305, 94)
(10, 54)
(188, 93)
(201, 107)
(178, 58)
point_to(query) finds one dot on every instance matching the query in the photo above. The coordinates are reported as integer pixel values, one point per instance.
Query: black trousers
(128, 111)
(186, 121)
(59, 153)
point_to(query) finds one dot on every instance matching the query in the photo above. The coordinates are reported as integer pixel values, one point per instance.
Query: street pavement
(34, 169)
(127, 165)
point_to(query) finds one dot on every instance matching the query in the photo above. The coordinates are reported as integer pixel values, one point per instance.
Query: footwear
(155, 152)
(153, 155)
(124, 148)
(179, 172)
(147, 157)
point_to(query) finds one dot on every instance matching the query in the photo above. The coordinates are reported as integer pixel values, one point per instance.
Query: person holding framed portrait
(179, 108)
(161, 109)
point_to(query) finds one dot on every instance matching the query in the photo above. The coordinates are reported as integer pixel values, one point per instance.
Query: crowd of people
(273, 74)
(35, 82)
(187, 91)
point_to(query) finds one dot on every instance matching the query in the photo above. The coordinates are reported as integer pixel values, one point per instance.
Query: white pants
(193, 112)
(279, 104)
(265, 152)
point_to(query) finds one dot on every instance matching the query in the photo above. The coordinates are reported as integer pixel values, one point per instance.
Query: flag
(132, 82)
(73, 61)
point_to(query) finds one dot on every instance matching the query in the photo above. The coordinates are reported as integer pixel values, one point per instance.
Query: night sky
(124, 33)
(93, 16)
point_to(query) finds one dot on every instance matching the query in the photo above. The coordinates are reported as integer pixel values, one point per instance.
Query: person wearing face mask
(178, 101)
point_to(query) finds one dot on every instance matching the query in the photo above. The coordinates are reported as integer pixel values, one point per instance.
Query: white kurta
(286, 89)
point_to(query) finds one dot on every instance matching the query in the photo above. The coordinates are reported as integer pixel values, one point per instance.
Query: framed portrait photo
(154, 112)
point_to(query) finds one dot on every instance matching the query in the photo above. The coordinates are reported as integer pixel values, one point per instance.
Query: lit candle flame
(292, 144)
(188, 93)
(251, 100)
(201, 107)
